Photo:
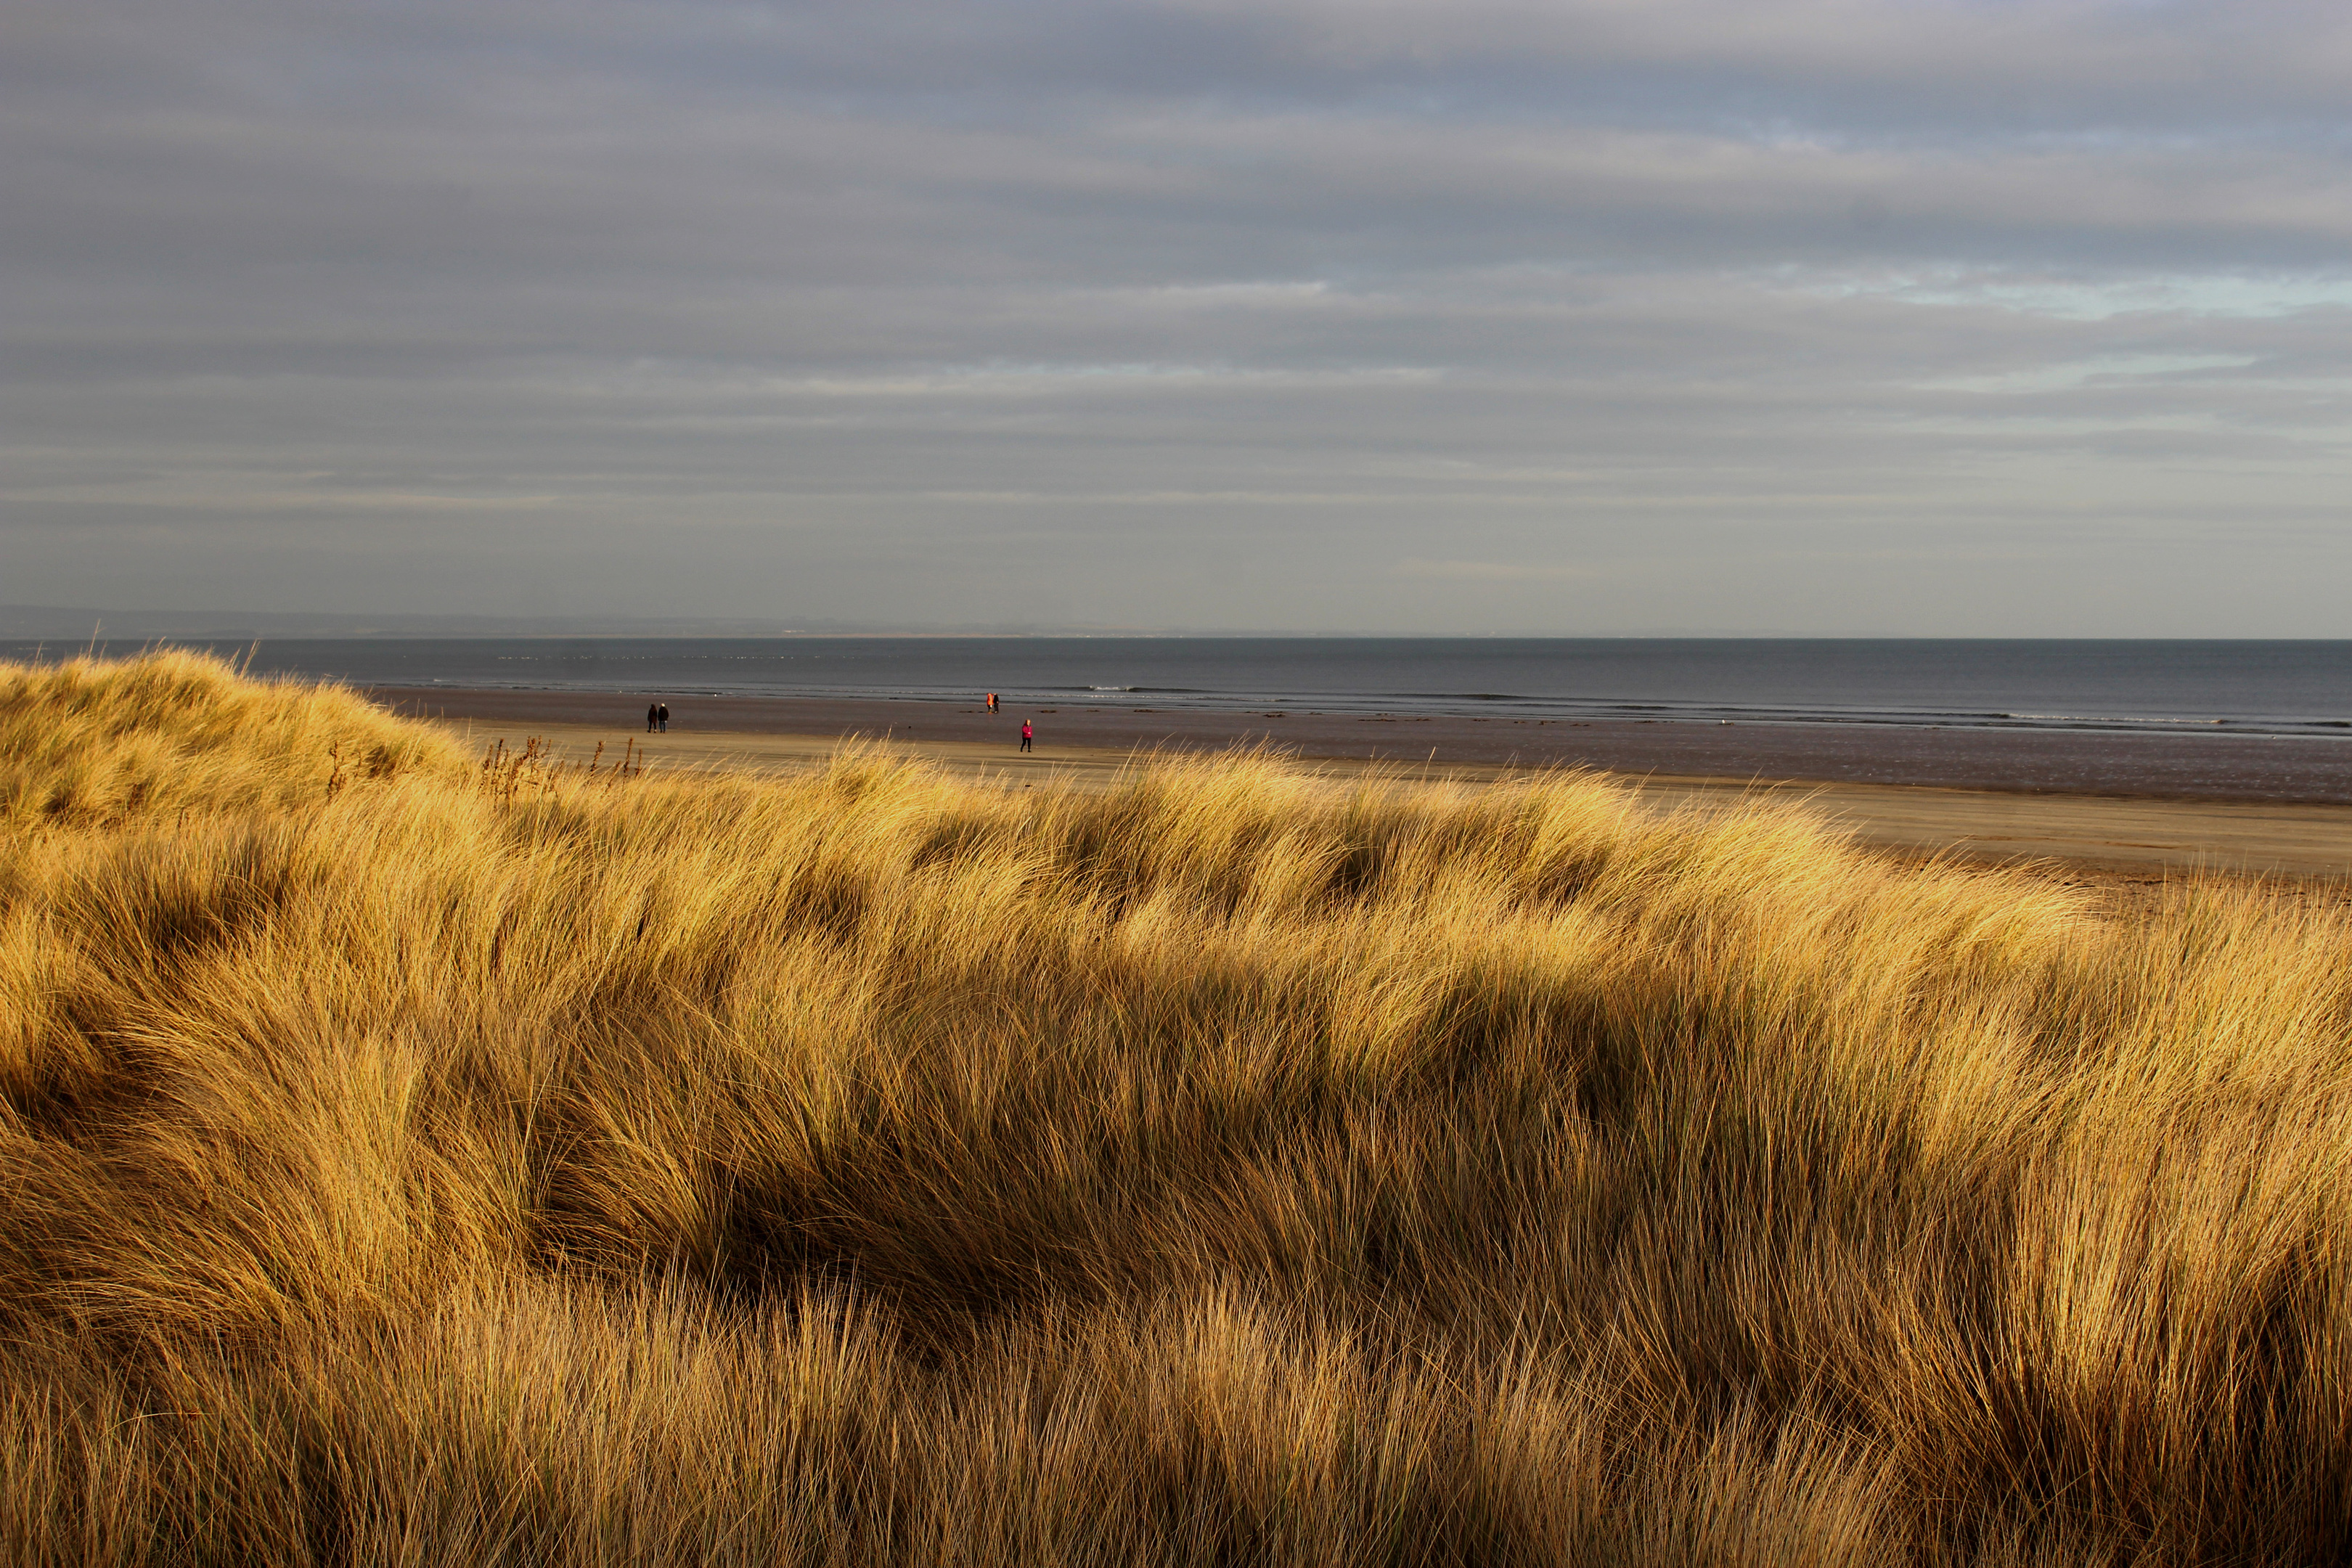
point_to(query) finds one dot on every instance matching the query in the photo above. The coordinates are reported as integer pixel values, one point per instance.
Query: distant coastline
(2215, 768)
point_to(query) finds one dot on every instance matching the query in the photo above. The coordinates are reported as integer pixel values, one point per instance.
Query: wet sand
(2127, 805)
(2190, 767)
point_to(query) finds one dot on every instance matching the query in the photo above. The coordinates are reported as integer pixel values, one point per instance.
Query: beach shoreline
(2251, 771)
(2116, 837)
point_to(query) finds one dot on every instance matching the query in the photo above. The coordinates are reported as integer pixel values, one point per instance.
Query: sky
(1594, 317)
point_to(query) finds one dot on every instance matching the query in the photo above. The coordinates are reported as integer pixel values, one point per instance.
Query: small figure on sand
(665, 718)
(992, 702)
(653, 716)
(1027, 734)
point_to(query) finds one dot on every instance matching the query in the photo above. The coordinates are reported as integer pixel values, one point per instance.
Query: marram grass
(411, 1161)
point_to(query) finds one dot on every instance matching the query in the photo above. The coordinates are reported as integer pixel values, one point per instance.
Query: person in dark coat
(665, 718)
(653, 716)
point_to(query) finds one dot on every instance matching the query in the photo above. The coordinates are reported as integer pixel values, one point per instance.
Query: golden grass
(414, 1163)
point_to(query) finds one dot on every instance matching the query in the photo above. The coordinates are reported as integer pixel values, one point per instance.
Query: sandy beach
(2112, 806)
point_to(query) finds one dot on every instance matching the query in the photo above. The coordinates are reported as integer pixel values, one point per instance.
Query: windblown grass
(408, 1162)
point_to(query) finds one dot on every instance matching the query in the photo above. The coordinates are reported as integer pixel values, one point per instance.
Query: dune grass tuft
(412, 1161)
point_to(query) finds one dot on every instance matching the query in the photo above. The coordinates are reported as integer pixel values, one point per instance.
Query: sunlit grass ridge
(1227, 1166)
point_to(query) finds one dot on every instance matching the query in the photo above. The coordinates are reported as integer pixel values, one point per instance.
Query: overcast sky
(1585, 317)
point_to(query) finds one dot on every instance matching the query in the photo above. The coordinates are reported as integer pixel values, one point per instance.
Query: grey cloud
(1604, 315)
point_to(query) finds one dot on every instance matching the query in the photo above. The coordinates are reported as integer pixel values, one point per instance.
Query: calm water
(2228, 688)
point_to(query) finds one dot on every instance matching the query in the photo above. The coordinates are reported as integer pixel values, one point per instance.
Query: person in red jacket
(1027, 734)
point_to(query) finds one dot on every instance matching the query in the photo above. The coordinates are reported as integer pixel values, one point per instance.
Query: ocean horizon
(2146, 686)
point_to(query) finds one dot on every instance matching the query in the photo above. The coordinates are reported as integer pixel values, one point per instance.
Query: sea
(2184, 687)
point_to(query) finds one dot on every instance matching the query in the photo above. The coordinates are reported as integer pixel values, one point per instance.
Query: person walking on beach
(653, 716)
(1027, 734)
(665, 718)
(992, 702)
